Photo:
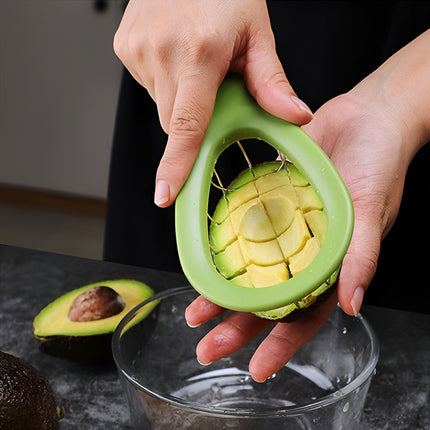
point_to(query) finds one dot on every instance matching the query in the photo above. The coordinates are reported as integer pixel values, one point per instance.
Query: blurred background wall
(59, 83)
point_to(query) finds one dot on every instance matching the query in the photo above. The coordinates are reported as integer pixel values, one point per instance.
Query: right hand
(181, 50)
(366, 142)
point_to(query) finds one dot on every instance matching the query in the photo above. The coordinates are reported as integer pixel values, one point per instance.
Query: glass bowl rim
(277, 411)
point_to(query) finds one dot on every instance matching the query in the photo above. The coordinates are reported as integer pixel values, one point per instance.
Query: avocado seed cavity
(95, 304)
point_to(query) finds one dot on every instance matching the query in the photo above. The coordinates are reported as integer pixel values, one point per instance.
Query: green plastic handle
(237, 116)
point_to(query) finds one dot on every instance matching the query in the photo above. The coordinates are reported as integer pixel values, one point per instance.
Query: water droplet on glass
(344, 330)
(345, 407)
(215, 388)
(245, 380)
(271, 377)
(215, 392)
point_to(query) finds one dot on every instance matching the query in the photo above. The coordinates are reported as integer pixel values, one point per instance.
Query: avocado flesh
(85, 341)
(27, 400)
(268, 227)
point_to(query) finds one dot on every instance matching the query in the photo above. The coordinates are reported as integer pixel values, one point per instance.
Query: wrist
(398, 89)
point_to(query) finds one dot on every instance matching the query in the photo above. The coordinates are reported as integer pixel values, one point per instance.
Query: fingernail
(259, 381)
(192, 325)
(162, 192)
(301, 105)
(204, 364)
(357, 300)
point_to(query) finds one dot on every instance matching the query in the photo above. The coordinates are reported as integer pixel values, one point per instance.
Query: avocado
(27, 401)
(268, 226)
(79, 325)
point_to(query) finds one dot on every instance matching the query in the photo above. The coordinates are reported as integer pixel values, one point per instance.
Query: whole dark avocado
(27, 401)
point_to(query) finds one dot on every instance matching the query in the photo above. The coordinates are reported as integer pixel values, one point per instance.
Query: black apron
(326, 48)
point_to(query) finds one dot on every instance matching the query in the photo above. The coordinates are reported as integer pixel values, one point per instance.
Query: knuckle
(193, 47)
(280, 335)
(161, 47)
(201, 45)
(370, 263)
(134, 49)
(128, 48)
(186, 122)
(276, 79)
(204, 44)
(118, 44)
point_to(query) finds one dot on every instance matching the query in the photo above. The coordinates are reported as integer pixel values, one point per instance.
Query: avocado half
(268, 226)
(79, 325)
(27, 400)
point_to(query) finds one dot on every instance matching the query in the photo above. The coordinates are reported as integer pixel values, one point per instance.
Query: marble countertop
(399, 396)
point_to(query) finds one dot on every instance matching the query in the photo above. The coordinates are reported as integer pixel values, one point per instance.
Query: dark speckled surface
(29, 280)
(399, 397)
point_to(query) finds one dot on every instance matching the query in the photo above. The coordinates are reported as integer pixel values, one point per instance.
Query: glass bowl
(324, 386)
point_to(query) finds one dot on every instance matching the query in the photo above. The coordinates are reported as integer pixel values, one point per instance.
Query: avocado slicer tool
(236, 117)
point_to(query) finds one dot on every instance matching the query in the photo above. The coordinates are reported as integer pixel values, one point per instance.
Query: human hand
(371, 134)
(181, 50)
(365, 142)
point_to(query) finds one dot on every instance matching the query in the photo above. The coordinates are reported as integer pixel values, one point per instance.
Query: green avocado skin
(27, 401)
(89, 349)
(299, 313)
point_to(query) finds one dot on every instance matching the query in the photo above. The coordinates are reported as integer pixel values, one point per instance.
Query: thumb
(189, 121)
(266, 81)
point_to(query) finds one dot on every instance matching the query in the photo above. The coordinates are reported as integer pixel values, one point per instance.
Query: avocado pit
(95, 304)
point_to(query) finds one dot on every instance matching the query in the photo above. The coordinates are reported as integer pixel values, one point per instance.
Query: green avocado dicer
(279, 234)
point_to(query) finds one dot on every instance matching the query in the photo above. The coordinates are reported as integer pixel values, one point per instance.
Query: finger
(229, 336)
(359, 264)
(165, 90)
(192, 110)
(286, 339)
(201, 310)
(266, 81)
